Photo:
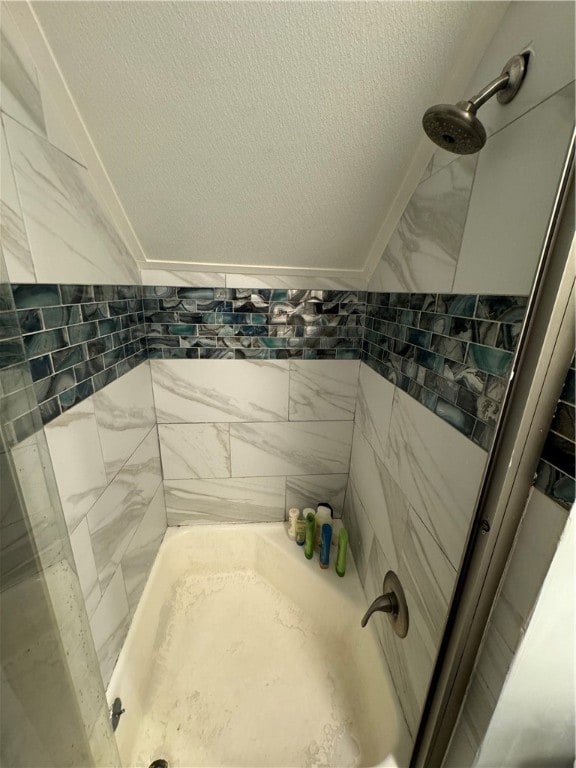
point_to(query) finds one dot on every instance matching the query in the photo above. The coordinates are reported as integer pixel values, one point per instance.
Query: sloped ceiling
(259, 134)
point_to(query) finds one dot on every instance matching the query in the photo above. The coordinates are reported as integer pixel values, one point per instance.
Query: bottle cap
(323, 505)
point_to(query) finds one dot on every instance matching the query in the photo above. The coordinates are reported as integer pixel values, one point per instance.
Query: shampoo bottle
(323, 515)
(326, 540)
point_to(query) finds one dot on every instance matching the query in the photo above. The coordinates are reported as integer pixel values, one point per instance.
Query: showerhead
(456, 128)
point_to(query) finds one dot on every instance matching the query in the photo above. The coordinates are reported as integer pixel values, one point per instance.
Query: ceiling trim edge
(189, 266)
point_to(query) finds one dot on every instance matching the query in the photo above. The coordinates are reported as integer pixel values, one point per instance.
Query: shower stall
(160, 416)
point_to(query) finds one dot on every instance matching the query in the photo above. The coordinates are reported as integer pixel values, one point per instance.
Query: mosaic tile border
(453, 353)
(555, 475)
(250, 323)
(77, 339)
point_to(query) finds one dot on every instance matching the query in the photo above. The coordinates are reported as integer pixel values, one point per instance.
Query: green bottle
(341, 554)
(310, 533)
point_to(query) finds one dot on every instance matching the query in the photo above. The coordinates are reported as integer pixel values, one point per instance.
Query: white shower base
(244, 653)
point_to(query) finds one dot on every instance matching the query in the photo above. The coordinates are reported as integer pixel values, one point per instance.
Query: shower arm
(498, 84)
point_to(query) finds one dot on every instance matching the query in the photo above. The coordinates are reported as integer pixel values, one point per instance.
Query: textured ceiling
(256, 134)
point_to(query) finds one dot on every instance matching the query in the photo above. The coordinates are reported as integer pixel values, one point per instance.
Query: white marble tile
(232, 500)
(30, 459)
(479, 708)
(547, 30)
(309, 490)
(86, 566)
(32, 527)
(18, 557)
(185, 278)
(463, 745)
(77, 460)
(378, 566)
(40, 644)
(509, 209)
(192, 391)
(393, 647)
(493, 664)
(311, 282)
(428, 580)
(103, 745)
(14, 238)
(383, 501)
(440, 159)
(71, 235)
(374, 408)
(191, 451)
(141, 552)
(125, 414)
(439, 470)
(109, 625)
(117, 514)
(57, 130)
(360, 533)
(534, 548)
(290, 448)
(534, 722)
(428, 170)
(19, 89)
(423, 251)
(323, 389)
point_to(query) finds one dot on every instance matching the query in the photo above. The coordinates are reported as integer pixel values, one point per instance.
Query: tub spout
(387, 603)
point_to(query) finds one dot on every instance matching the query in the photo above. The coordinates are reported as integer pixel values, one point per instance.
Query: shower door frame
(545, 350)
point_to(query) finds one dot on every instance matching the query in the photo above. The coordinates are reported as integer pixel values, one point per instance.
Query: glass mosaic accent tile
(556, 473)
(77, 339)
(257, 324)
(453, 353)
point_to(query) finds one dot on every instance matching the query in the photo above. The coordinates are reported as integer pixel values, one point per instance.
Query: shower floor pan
(244, 653)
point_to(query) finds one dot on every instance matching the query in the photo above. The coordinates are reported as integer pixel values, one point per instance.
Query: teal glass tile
(59, 317)
(35, 295)
(495, 361)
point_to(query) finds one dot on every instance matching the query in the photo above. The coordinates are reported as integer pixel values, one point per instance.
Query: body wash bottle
(342, 549)
(310, 533)
(300, 531)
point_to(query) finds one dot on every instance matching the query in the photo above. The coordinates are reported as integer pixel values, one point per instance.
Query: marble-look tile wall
(457, 234)
(106, 460)
(243, 441)
(534, 548)
(54, 225)
(409, 503)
